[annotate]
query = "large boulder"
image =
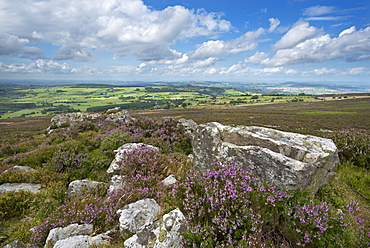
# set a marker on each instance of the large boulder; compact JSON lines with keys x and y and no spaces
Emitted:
{"x":166,"y":233}
{"x":62,"y":233}
{"x":34,"y":188}
{"x":70,"y":120}
{"x":136,"y":216}
{"x":123,"y":152}
{"x":288,"y":160}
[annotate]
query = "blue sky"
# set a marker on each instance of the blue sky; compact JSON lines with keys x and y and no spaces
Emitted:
{"x":181,"y":40}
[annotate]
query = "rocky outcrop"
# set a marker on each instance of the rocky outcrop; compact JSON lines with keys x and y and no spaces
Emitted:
{"x":62,"y":233}
{"x":189,"y":125}
{"x":75,"y":187}
{"x":166,"y":233}
{"x":288,"y":160}
{"x":34,"y":188}
{"x":70,"y":120}
{"x":136,"y":216}
{"x":122,"y":153}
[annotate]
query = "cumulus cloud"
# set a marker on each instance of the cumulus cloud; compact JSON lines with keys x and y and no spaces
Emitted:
{"x":123,"y":27}
{"x":246,"y":42}
{"x":13,"y":45}
{"x":39,"y":66}
{"x":300,"y":32}
{"x":323,"y":48}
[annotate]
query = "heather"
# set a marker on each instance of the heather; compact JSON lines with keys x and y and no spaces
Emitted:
{"x":225,"y":207}
{"x":228,"y":207}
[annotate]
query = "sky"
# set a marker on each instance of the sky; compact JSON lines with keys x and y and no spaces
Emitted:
{"x":186,"y":40}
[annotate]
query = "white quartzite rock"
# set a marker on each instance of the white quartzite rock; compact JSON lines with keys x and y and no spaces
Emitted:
{"x":135,"y":216}
{"x":288,"y":160}
{"x":170,"y":180}
{"x":21,"y":168}
{"x":34,"y":188}
{"x":62,"y":233}
{"x":75,"y":187}
{"x":82,"y":241}
{"x":166,"y":233}
{"x":121,"y":154}
{"x":72,"y":119}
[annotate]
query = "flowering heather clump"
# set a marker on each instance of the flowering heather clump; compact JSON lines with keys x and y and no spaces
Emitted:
{"x":227,"y":207}
{"x":143,"y":170}
{"x":94,"y":207}
{"x":165,"y":134}
{"x":353,"y":146}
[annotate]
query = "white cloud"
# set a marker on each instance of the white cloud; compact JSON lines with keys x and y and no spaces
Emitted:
{"x":38,"y":67}
{"x":256,"y":58}
{"x":300,"y":32}
{"x":350,"y":44}
{"x":13,"y":45}
{"x":274,"y":23}
{"x":318,"y":10}
{"x":123,"y":27}
{"x":207,"y":62}
{"x":357,"y":70}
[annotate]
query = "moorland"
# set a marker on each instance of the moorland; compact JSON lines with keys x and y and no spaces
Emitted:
{"x":89,"y":148}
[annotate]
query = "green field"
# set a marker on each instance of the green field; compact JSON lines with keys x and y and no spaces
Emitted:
{"x":31,"y":100}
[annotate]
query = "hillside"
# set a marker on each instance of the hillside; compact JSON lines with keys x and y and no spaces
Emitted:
{"x":89,"y":150}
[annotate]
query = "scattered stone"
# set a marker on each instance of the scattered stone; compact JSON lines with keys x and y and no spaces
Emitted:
{"x":170,"y":180}
{"x":83,"y":241}
{"x":34,"y":188}
{"x":62,"y":233}
{"x":167,"y":234}
{"x":288,"y":160}
{"x":22,"y":168}
{"x":16,"y":244}
{"x":75,"y":187}
{"x":136,"y":216}
{"x":121,"y":154}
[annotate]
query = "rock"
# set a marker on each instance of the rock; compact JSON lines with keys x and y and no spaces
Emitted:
{"x":116,"y":182}
{"x":135,"y":216}
{"x":71,"y":120}
{"x":288,"y":160}
{"x":82,"y":241}
{"x":167,"y":234}
{"x":117,"y":116}
{"x":62,"y":233}
{"x":22,"y":168}
{"x":170,"y":180}
{"x":121,"y":154}
{"x":16,"y":244}
{"x":189,"y":125}
{"x":34,"y":188}
{"x":75,"y":187}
